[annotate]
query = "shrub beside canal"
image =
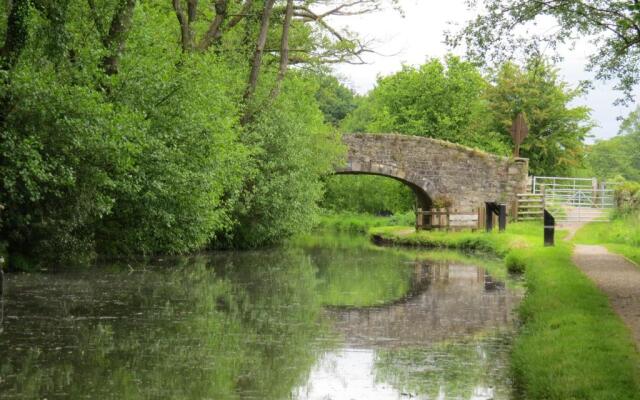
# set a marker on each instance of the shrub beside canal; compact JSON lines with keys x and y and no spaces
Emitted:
{"x":571,"y":344}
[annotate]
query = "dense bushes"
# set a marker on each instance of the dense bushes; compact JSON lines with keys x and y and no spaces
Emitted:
{"x":155,"y":153}
{"x":627,"y":198}
{"x":291,"y":149}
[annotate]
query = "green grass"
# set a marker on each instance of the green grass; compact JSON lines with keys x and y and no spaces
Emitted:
{"x":571,"y":344}
{"x":361,"y":223}
{"x":498,"y":243}
{"x":622,"y":235}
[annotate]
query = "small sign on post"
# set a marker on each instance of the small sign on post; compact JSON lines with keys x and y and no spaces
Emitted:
{"x":519,"y":131}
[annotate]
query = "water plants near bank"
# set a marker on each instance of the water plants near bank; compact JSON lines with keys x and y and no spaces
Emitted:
{"x":569,"y":336}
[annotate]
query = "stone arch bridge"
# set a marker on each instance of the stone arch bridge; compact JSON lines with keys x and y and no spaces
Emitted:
{"x":437,"y":171}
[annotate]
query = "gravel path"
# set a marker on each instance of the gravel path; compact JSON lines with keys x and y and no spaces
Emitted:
{"x":618,"y":278}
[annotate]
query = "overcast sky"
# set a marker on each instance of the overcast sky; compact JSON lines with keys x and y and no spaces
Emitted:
{"x":419,"y":34}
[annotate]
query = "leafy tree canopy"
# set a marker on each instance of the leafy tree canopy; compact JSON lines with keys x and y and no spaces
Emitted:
{"x":555,"y":145}
{"x":619,"y":156}
{"x":612,"y":26}
{"x":453,"y":101}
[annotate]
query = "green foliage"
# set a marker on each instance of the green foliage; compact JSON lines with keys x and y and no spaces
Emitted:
{"x":366,"y":194}
{"x":281,"y":195}
{"x":495,"y":34}
{"x":335,"y":100}
{"x":554,"y":146}
{"x":359,"y":120}
{"x":627,"y":196}
{"x":437,"y":100}
{"x":189,"y":176}
{"x":64,"y":151}
{"x":149,"y":155}
{"x":515,"y":262}
{"x":619,"y":155}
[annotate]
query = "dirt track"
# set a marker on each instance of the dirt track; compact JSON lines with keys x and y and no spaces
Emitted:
{"x":618,"y":278}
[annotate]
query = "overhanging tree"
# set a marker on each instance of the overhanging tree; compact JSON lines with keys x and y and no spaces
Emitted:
{"x":612,"y":26}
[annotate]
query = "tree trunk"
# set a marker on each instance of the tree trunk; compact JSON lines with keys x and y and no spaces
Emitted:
{"x":257,"y":55}
{"x":117,"y":36}
{"x":185,"y":29}
{"x":284,"y":50}
{"x":215,"y":29}
{"x":17,"y":34}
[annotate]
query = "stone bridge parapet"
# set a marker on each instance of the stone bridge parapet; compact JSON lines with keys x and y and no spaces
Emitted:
{"x":438,"y":172}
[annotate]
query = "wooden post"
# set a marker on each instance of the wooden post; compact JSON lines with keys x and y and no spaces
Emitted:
{"x":481,"y":218}
{"x":419,"y":219}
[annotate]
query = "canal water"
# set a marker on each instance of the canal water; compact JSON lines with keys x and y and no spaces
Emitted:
{"x":321,"y":318}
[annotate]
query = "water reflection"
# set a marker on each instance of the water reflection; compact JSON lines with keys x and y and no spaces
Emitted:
{"x":308,"y":322}
{"x":448,"y":341}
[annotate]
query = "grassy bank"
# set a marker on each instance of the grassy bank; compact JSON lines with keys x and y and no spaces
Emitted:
{"x":621,"y":236}
{"x":571,"y":344}
{"x":361,"y":223}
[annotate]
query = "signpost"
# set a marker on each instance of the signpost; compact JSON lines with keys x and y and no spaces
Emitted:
{"x":519,"y":131}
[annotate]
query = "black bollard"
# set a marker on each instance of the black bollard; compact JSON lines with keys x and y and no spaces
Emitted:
{"x":502,"y":217}
{"x":549,"y":229}
{"x":489,"y":216}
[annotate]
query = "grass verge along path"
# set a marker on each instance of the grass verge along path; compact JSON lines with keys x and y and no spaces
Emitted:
{"x":571,"y":344}
{"x":621,"y":235}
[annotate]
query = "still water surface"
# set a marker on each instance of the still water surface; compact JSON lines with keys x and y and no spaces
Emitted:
{"x":324,"y":318}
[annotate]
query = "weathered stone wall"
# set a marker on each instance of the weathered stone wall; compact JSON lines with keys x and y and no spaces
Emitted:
{"x":463,"y":177}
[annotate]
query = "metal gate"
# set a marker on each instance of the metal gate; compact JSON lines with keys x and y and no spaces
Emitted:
{"x":575,"y":199}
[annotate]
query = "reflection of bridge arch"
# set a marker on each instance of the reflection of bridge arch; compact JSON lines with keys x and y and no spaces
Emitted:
{"x":450,"y":300}
{"x":437,"y":170}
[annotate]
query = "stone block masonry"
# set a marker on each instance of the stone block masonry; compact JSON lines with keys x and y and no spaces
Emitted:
{"x":439,"y":172}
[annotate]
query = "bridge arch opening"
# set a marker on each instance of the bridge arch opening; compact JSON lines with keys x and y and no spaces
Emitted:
{"x":422,"y":198}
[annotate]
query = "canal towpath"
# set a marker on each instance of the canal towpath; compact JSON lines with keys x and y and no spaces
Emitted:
{"x":615,"y":275}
